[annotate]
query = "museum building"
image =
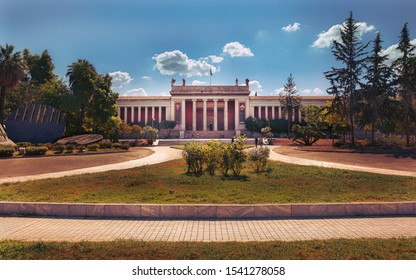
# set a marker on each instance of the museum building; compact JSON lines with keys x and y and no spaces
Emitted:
{"x":207,"y":108}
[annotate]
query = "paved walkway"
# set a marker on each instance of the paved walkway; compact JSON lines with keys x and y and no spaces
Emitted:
{"x":54,"y":229}
{"x":310,"y":162}
{"x":161,"y":154}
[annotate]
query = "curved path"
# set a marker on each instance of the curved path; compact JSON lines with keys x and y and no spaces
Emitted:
{"x":310,"y":162}
{"x":161,"y":154}
{"x":58,"y":229}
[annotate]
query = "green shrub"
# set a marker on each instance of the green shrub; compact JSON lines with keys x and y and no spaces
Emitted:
{"x":237,"y":156}
{"x":117,"y":145}
{"x":23,"y":144}
{"x":212,"y":155}
{"x":58,"y":148}
{"x":36,"y":151}
{"x":194,"y":157}
{"x":125,"y":146}
{"x":70,"y":148}
{"x":258,"y":157}
{"x":92,"y":147}
{"x":6,"y":151}
{"x":307,"y":135}
{"x":105,"y":144}
{"x":81,"y":148}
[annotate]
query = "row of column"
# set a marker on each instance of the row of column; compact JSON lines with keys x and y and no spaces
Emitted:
{"x":146,"y":113}
{"x":204,"y":114}
{"x":279,"y":112}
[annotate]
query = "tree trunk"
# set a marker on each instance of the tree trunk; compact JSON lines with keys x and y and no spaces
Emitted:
{"x":2,"y":101}
{"x":352,"y":130}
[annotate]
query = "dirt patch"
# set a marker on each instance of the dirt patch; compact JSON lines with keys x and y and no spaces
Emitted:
{"x":404,"y":160}
{"x":14,"y":167}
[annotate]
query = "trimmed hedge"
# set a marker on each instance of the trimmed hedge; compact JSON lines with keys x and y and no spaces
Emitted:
{"x":36,"y":151}
{"x":93,"y":147}
{"x":6,"y":151}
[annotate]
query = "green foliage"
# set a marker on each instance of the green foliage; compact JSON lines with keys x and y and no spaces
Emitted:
{"x":36,"y":151}
{"x":307,"y":135}
{"x":279,"y":126}
{"x":212,"y":154}
{"x":112,"y":128}
{"x":150,"y":134}
{"x":258,"y":158}
{"x":70,"y":147}
{"x":254,"y":125}
{"x":58,"y":148}
{"x":289,"y":100}
{"x":194,"y":156}
{"x":93,"y":147}
{"x":236,"y":155}
{"x":105,"y":144}
{"x":136,"y":131}
{"x":23,"y":144}
{"x":6,"y":151}
{"x":125,"y":147}
{"x":12,"y":70}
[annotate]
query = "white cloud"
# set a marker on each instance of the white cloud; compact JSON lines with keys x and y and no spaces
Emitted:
{"x":255,"y":86}
{"x":325,"y":38}
{"x":164,"y":94}
{"x":278,"y":91}
{"x":216,"y":59}
{"x":236,"y":49}
{"x":135,"y":92}
{"x":198,"y":83}
{"x":292,"y":27}
{"x":393,"y":53}
{"x":120,"y":79}
{"x":316,"y":91}
{"x":176,"y":62}
{"x":147,"y":78}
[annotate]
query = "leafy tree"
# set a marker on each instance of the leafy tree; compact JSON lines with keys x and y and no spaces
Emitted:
{"x":346,"y":80}
{"x":12,"y":70}
{"x":278,"y":126}
{"x":150,"y":134}
{"x":307,"y":135}
{"x":258,"y":158}
{"x":91,"y":96}
{"x":406,"y":72}
{"x":376,"y":99}
{"x":237,"y":156}
{"x":194,"y":156}
{"x":253,"y":124}
{"x":111,"y":129}
{"x":169,"y":125}
{"x":289,"y":100}
{"x":136,"y":131}
{"x":40,"y":67}
{"x":212,"y":156}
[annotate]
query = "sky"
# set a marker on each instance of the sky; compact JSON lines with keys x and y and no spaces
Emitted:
{"x":144,"y":44}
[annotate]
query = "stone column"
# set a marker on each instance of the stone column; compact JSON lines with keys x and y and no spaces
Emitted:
{"x":172,"y":110}
{"x":204,"y":116}
{"x":267,"y":112}
{"x":183,"y":120}
{"x":225,"y":114}
{"x":160,"y":114}
{"x":193,"y":114}
{"x":273,"y":115}
{"x":300,"y":115}
{"x":215,"y":115}
{"x":153,"y":112}
{"x":125,"y":115}
{"x":237,"y":114}
{"x":280,"y":112}
{"x":145,"y":115}
{"x":139,"y":117}
{"x":132,"y":114}
{"x":118,"y":111}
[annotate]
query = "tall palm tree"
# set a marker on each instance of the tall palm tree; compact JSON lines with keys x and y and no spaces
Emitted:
{"x":12,"y":70}
{"x":82,"y":83}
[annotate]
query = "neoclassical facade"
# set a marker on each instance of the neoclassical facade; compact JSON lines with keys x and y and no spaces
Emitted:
{"x":207,"y":108}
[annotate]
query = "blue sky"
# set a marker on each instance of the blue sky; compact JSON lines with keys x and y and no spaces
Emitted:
{"x":144,"y":44}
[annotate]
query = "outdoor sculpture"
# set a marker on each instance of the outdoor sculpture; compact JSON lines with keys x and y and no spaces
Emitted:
{"x":36,"y":123}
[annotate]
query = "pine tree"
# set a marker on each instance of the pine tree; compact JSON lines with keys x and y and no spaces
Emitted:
{"x":406,"y":72}
{"x":345,"y":81}
{"x":377,"y":92}
{"x":289,"y":100}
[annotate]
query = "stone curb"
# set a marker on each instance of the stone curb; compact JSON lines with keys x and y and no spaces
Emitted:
{"x":208,"y":211}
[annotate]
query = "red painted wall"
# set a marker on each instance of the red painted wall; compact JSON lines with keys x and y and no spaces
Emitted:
{"x":231,"y":113}
{"x":188,"y":115}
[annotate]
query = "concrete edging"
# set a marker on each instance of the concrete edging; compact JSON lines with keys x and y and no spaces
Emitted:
{"x":207,"y":211}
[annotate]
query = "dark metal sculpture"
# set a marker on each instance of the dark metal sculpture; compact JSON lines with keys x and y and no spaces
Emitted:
{"x":36,"y":123}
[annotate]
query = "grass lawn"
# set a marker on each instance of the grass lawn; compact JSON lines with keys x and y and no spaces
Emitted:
{"x":168,"y":183}
{"x":334,"y":249}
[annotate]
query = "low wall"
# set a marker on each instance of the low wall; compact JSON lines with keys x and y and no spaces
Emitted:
{"x":208,"y":211}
